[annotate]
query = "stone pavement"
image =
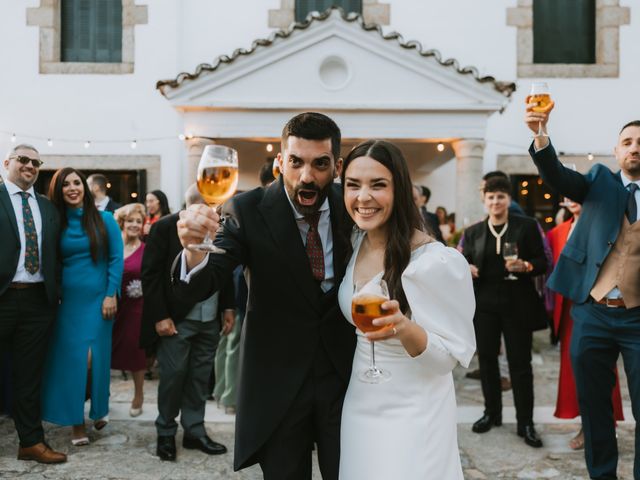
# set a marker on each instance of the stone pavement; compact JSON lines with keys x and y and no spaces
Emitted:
{"x":125,"y":449}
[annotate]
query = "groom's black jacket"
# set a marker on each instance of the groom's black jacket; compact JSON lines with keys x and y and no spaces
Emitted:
{"x":291,"y":326}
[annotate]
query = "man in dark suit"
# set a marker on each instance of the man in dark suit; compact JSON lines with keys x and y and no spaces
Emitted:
{"x":599,"y":270}
{"x":98,"y":186}
{"x":421,"y":195}
{"x":186,"y":333}
{"x":29,"y":293}
{"x":297,"y":349}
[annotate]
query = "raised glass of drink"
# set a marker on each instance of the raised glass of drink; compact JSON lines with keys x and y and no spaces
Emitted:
{"x":217,"y":182}
{"x":539,"y":95}
{"x":275,"y":169}
{"x":366,"y":306}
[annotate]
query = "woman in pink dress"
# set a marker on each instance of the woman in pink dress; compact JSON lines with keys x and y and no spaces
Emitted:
{"x":126,"y":353}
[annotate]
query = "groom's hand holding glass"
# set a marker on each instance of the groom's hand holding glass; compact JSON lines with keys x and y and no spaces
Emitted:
{"x":194,"y":224}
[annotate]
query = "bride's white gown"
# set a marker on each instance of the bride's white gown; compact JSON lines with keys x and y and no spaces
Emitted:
{"x":405,"y":429}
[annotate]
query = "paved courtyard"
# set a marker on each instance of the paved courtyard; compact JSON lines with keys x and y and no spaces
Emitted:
{"x":125,"y":449}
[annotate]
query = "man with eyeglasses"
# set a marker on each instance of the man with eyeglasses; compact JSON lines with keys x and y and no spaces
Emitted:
{"x":29,"y":279}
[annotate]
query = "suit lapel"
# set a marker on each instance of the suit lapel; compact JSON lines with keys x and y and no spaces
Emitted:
{"x":5,"y":201}
{"x":622,"y":196}
{"x":481,"y":244}
{"x":278,"y":215}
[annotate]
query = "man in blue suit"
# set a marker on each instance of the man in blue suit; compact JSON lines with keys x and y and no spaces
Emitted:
{"x":599,"y":270}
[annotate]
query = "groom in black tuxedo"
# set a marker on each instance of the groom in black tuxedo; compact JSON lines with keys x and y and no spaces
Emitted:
{"x":297,"y":349}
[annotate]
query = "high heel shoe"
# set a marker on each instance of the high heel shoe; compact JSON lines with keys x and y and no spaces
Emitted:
{"x":80,"y":442}
{"x":135,"y":412}
{"x":101,"y":422}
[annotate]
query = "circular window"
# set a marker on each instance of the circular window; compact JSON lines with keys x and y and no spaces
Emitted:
{"x":334,"y":73}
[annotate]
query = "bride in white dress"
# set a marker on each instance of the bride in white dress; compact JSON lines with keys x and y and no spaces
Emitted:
{"x":404,"y":428}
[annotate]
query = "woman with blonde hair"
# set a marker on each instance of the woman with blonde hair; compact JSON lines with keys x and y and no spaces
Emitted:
{"x":126,"y":353}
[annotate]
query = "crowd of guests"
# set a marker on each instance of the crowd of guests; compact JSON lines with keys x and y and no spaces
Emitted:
{"x":71,"y":267}
{"x":83,"y":262}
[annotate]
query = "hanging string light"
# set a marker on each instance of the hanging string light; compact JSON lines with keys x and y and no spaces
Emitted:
{"x":134,"y":144}
{"x":13,"y":138}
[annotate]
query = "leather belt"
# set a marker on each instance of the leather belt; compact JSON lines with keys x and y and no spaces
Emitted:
{"x":612,"y":302}
{"x":23,"y":285}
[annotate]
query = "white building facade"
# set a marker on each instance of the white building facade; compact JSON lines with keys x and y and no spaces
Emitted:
{"x":109,"y":116}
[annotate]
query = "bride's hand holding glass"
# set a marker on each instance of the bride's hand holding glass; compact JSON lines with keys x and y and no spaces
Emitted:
{"x":390,"y":325}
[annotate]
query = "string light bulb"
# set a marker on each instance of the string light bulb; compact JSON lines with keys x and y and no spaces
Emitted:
{"x":590,"y":157}
{"x":269,"y":147}
{"x":182,"y":137}
{"x":49,"y":142}
{"x":13,"y":138}
{"x":87,"y":144}
{"x":440,"y":147}
{"x":134,"y":144}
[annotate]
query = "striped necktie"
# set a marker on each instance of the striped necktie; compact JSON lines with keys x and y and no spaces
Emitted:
{"x":31,"y":256}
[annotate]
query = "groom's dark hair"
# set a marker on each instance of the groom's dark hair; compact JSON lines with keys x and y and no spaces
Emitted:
{"x":313,"y":126}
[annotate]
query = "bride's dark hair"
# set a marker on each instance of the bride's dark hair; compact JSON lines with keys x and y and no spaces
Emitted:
{"x":405,"y":217}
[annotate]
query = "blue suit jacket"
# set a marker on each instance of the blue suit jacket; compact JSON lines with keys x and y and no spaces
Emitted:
{"x":604,"y":200}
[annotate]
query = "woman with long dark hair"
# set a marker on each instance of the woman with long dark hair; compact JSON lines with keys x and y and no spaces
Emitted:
{"x":157,"y":206}
{"x":427,"y":328}
{"x":78,"y":363}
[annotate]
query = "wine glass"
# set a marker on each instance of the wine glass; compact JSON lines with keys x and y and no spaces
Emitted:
{"x":275,"y":169}
{"x":539,"y":95}
{"x":217,"y":182}
{"x":510,"y":252}
{"x":366,"y":305}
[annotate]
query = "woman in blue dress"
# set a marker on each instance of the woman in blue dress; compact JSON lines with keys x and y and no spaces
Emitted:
{"x":79,"y":358}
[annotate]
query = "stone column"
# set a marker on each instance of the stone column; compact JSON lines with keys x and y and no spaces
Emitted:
{"x":469,"y":154}
{"x":195,"y":147}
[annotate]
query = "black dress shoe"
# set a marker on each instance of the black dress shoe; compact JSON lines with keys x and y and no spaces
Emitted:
{"x":486,"y":422}
{"x":166,"y":448}
{"x":530,"y":435}
{"x":204,"y":444}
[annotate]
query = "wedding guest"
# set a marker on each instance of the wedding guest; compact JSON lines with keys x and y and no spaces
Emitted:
{"x":185,"y":334}
{"x":567,"y":399}
{"x":79,"y":358}
{"x":421,"y":195}
{"x":126,"y":353}
{"x":598,"y":272}
{"x":157,"y":206}
{"x":98,"y":185}
{"x":29,"y":294}
{"x":507,"y":305}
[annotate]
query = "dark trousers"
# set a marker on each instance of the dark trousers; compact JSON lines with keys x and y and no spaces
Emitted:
{"x":185,"y":361}
{"x":599,"y":335}
{"x":314,"y":417}
{"x":26,"y":319}
{"x":517,"y":338}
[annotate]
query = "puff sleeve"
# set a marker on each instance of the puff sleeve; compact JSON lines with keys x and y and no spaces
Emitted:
{"x":439,"y":290}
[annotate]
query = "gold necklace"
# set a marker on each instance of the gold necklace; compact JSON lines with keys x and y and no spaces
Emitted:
{"x":497,"y":235}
